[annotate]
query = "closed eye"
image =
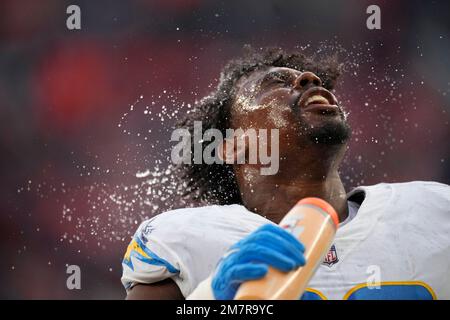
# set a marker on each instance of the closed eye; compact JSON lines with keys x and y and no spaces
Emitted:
{"x":273,"y":78}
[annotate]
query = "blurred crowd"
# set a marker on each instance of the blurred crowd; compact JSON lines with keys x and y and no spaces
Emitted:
{"x":66,"y":94}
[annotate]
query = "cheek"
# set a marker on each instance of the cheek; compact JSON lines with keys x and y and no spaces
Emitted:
{"x":246,"y":104}
{"x":280,"y":116}
{"x":279,"y":111}
{"x":265,"y":112}
{"x":271,"y":117}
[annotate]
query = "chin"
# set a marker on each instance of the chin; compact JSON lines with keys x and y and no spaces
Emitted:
{"x":330,"y":132}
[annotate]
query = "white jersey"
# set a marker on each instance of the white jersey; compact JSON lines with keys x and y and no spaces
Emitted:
{"x":397,"y":246}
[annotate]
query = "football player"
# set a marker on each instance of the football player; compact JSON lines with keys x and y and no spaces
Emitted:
{"x":393,"y":239}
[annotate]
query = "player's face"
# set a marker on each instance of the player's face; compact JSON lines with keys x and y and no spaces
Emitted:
{"x":292,"y":101}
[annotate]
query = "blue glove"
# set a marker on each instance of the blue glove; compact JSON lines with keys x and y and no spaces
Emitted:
{"x":250,"y":258}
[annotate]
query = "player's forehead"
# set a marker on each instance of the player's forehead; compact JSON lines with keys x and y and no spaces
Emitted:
{"x":253,"y":78}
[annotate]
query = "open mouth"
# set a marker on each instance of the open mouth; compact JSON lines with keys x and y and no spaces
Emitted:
{"x":318,"y":99}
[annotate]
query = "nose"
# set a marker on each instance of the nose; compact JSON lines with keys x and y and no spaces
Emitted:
{"x":307,"y":79}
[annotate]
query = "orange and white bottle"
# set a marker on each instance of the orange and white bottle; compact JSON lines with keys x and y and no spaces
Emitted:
{"x":314,"y":222}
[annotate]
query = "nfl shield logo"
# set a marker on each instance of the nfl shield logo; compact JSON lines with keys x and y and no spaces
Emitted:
{"x":331,"y":257}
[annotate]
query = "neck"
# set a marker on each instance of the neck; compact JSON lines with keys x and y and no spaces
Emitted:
{"x":273,"y":196}
{"x":285,"y":196}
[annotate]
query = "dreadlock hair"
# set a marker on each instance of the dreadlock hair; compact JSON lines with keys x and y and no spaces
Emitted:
{"x":216,"y":183}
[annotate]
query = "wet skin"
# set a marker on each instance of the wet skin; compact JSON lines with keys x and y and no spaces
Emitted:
{"x":307,"y":167}
{"x":278,"y":98}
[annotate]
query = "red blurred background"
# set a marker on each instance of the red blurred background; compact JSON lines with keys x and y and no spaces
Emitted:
{"x":71,"y":145}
